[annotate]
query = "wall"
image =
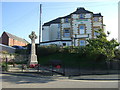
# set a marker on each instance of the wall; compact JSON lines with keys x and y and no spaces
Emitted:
{"x":16,"y":58}
{"x":45,"y":33}
{"x":54,"y":29}
{"x":68,"y":43}
{"x":65,"y":26}
{"x":76,"y":22}
{"x":87,"y":21}
{"x":5,"y":39}
{"x":13,"y":42}
{"x":100,"y":23}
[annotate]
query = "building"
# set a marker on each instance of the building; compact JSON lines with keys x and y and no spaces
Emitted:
{"x":73,"y":29}
{"x":11,"y":40}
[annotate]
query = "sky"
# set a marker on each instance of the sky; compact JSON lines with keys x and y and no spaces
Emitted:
{"x":20,"y":18}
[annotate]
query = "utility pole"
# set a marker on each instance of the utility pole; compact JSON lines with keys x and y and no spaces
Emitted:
{"x":40,"y":32}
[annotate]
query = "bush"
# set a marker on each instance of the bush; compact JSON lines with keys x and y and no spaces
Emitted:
{"x":117,"y":54}
{"x":47,"y":50}
{"x":21,"y":51}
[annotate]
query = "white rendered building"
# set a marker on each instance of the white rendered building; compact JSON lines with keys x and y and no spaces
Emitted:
{"x":73,"y":29}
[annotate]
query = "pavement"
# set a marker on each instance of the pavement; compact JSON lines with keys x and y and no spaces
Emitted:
{"x":97,"y":77}
{"x":81,"y":77}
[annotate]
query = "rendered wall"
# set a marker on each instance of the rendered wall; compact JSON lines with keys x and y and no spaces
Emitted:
{"x":45,"y":34}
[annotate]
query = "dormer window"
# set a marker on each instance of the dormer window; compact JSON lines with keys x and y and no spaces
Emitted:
{"x":82,"y":16}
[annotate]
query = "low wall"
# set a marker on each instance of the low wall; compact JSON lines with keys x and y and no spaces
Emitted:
{"x":16,"y":58}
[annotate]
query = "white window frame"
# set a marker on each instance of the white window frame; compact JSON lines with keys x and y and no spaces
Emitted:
{"x":82,"y":16}
{"x":96,"y":19}
{"x":83,"y":43}
{"x":82,"y":30}
{"x":66,"y":20}
{"x":95,"y":29}
{"x":66,"y":34}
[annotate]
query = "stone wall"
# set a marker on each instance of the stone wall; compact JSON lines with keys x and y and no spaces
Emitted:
{"x":16,"y":58}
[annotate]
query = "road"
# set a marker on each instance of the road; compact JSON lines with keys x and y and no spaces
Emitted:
{"x":13,"y":81}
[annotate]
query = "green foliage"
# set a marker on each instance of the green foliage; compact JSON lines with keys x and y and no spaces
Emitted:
{"x":47,"y":50}
{"x":4,"y":52}
{"x":117,"y":54}
{"x":2,"y":64}
{"x":94,"y":54}
{"x":100,"y":45}
{"x":21,"y":51}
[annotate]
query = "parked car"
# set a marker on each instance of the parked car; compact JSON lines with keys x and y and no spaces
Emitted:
{"x":18,"y":47}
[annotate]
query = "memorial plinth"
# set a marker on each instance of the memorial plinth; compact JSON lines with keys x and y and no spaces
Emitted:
{"x":33,"y":56}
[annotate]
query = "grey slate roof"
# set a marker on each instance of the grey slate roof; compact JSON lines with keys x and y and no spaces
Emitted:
{"x":78,"y":11}
{"x":57,"y":20}
{"x":15,"y":37}
{"x":97,"y":15}
{"x":81,"y":10}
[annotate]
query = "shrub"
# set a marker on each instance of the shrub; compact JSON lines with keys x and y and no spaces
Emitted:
{"x":47,"y":50}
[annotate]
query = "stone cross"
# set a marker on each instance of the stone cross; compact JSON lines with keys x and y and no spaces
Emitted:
{"x":33,"y":36}
{"x":33,"y":56}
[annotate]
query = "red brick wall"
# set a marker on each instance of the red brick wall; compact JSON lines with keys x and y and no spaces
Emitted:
{"x":5,"y":39}
{"x":13,"y":42}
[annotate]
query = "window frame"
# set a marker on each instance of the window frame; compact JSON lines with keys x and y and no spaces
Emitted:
{"x":79,"y":30}
{"x":82,"y":44}
{"x":66,"y":20}
{"x":83,"y":16}
{"x":94,"y":19}
{"x":66,"y":32}
{"x":94,"y":28}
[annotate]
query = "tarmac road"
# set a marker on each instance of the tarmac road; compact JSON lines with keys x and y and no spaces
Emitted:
{"x":13,"y":81}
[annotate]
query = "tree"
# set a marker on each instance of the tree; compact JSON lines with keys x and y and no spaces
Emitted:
{"x":117,"y":54}
{"x":100,"y":45}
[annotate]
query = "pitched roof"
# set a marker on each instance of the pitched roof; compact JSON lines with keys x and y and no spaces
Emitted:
{"x":81,"y":10}
{"x":97,"y":15}
{"x":15,"y":37}
{"x":78,"y":11}
{"x":57,"y":20}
